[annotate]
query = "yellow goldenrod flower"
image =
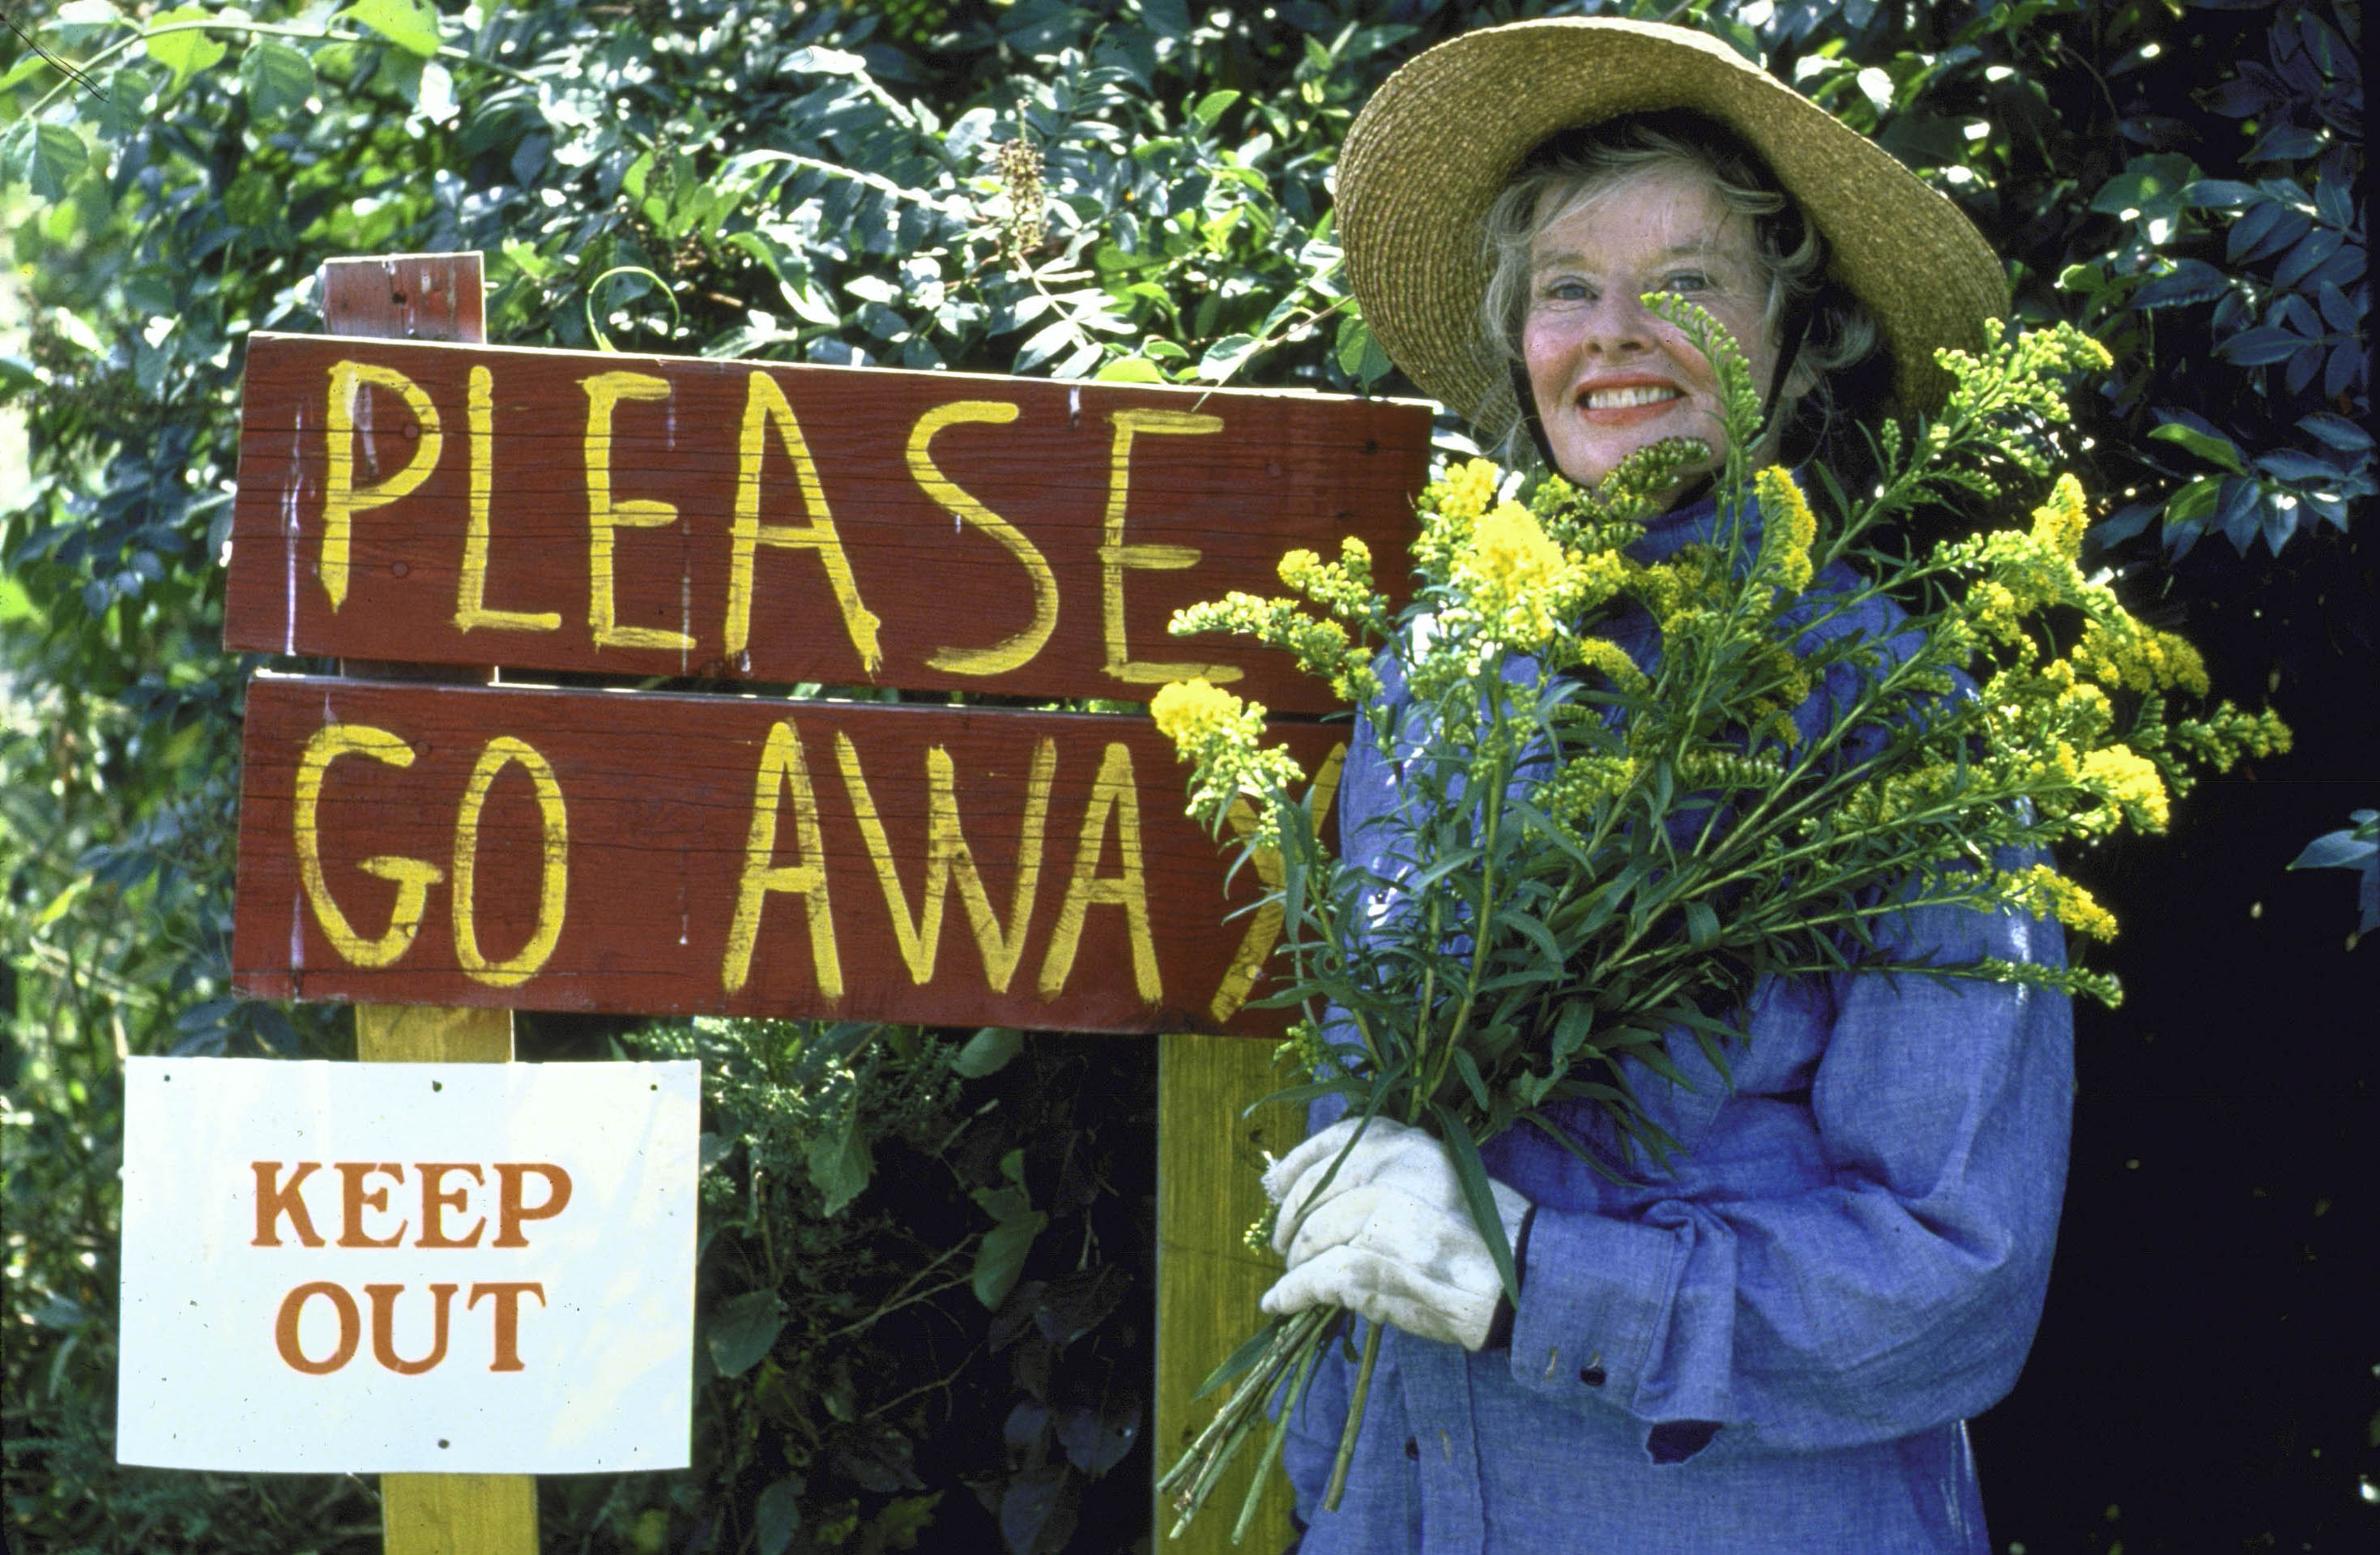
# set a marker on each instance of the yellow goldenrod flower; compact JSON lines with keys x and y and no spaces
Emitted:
{"x":1790,"y":528}
{"x":1522,"y":589}
{"x":2059,"y":522}
{"x":1190,"y":712}
{"x":1602,"y":653}
{"x":1467,"y":489}
{"x":2043,"y":892}
{"x":2129,"y":782}
{"x":1509,"y":548}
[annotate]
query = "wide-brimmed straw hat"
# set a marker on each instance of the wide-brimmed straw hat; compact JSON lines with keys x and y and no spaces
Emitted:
{"x":1443,"y":136}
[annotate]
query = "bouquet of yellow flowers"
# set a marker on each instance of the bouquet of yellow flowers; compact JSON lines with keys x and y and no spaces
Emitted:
{"x":1627,"y":790}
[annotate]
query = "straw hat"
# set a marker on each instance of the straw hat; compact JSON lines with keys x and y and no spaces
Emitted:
{"x":1445,"y":134}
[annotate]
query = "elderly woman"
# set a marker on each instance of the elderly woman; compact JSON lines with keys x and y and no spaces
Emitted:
{"x":1772,"y":1342}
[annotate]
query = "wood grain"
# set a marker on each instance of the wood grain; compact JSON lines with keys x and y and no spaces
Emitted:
{"x":1209,"y":1162}
{"x":608,"y":538}
{"x":649,"y":810}
{"x":458,"y":1513}
{"x":432,"y":1034}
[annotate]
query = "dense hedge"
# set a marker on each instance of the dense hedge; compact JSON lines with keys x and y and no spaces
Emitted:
{"x":1139,"y":190}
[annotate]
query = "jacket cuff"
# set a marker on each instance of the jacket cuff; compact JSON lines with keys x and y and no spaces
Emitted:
{"x":1598,"y":1290}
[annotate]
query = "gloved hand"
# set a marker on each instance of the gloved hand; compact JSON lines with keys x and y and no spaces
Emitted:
{"x":1390,"y":1238}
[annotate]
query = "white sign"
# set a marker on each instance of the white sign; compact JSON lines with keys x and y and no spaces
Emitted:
{"x":407,"y":1268}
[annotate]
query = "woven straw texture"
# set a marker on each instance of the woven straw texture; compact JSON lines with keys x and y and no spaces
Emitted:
{"x":1429,"y":152}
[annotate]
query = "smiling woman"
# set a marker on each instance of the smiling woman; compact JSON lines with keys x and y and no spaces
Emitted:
{"x":1772,"y":1339}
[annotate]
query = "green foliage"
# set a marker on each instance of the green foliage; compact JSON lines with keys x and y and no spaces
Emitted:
{"x":1132,"y":188}
{"x":894,"y":1346}
{"x":2356,"y":849}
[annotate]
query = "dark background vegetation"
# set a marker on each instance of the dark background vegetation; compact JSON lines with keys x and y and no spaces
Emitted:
{"x":926,"y":1280}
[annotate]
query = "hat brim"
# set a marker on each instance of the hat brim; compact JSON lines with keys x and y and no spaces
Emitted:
{"x":1444,"y":135}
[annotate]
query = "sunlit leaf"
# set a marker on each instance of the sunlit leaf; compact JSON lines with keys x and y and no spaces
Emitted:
{"x":185,"y":50}
{"x":411,"y":25}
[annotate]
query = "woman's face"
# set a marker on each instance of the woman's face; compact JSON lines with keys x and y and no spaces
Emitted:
{"x":1609,"y":376}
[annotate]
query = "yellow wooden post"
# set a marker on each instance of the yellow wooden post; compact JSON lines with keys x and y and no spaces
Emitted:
{"x":1208,"y":1159}
{"x":430,"y":297}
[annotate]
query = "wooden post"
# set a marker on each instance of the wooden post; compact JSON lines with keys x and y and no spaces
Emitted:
{"x":430,"y":297}
{"x":1208,"y":1161}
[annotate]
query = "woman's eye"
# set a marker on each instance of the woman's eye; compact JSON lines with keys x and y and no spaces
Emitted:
{"x":1565,"y":290}
{"x":1686,"y":281}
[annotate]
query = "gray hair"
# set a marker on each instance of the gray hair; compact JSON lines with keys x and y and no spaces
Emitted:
{"x":1840,"y":332}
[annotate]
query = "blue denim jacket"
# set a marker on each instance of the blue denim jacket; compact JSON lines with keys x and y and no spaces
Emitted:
{"x":1772,"y":1345}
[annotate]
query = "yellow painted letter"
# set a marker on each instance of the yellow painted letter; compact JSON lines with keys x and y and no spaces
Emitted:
{"x":781,"y":768}
{"x":1114,"y":791}
{"x":413,"y":877}
{"x":472,"y":593}
{"x":1115,"y":555}
{"x":604,"y":391}
{"x":947,"y":851}
{"x":764,"y":405}
{"x":342,"y":498}
{"x":1014,"y":653}
{"x":554,"y":891}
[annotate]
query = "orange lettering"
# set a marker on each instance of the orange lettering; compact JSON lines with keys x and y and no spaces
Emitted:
{"x":507,"y":1294}
{"x":284,"y":1327}
{"x":355,"y":1201}
{"x":383,"y":1305}
{"x":436,"y":1201}
{"x":510,"y":1207}
{"x":273,"y":1202}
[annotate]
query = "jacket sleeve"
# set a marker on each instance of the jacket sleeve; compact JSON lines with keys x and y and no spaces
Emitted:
{"x":1891,"y":1282}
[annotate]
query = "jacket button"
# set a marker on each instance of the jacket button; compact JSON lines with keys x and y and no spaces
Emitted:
{"x":1412,"y":1449}
{"x":1592,"y":1375}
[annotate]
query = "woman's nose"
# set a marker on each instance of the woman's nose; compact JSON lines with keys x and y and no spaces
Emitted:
{"x":1616,"y":322}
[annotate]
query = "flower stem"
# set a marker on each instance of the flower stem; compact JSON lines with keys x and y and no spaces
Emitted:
{"x":1339,"y":1466}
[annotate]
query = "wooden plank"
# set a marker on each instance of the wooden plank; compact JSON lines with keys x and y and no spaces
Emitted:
{"x":406,"y":296}
{"x":436,"y":297}
{"x":458,"y":1513}
{"x":1210,"y":1161}
{"x":654,"y":515}
{"x":432,"y":1034}
{"x":591,"y":850}
{"x":449,"y":1513}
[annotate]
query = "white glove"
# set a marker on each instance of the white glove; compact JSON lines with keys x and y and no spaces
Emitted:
{"x":1390,"y":1238}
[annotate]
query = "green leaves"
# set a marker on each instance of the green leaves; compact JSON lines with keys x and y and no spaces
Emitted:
{"x":411,"y":25}
{"x":1001,"y":1256}
{"x":42,"y":155}
{"x":987,"y":1051}
{"x":178,"y":41}
{"x":1359,"y":354}
{"x":840,"y":1163}
{"x":1472,"y":1173}
{"x":1212,"y":107}
{"x":277,"y":79}
{"x":2206,"y":444}
{"x":741,"y":1332}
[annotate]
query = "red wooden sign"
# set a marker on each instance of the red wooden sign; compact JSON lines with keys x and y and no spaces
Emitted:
{"x":663,"y":854}
{"x":647,"y":515}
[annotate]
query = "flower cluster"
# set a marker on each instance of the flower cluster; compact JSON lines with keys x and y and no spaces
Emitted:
{"x":1224,"y":737}
{"x":1601,"y":837}
{"x":1790,"y":531}
{"x":1517,"y":584}
{"x":2043,"y":892}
